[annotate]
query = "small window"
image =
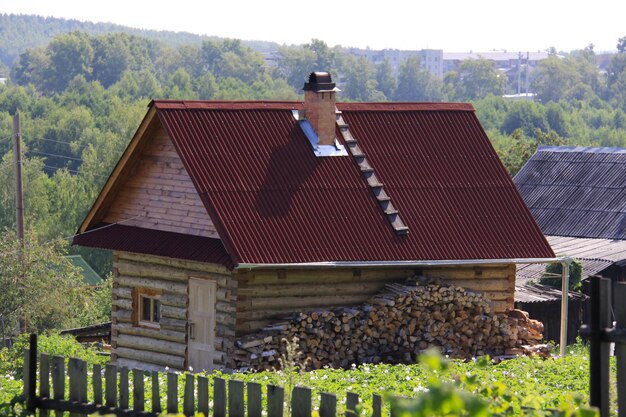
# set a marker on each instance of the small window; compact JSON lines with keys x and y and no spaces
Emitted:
{"x":146,"y":307}
{"x":150,"y":309}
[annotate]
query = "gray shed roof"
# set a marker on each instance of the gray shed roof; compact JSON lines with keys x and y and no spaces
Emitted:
{"x":576,"y":191}
{"x":595,"y":254}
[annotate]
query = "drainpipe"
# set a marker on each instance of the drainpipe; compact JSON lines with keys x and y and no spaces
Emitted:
{"x":564,"y":302}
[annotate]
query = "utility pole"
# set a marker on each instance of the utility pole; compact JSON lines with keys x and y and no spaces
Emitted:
{"x":19,"y":196}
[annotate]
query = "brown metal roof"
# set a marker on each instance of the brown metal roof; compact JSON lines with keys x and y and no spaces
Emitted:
{"x":273,"y":201}
{"x":155,"y":242}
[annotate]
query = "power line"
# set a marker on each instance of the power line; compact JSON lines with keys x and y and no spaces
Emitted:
{"x":74,"y":235}
{"x":59,"y":141}
{"x":73,"y":171}
{"x":56,"y":155}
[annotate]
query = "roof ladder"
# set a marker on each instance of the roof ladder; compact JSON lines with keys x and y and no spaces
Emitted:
{"x":367,"y":171}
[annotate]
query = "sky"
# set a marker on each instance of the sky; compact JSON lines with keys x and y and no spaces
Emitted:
{"x":451,"y":25}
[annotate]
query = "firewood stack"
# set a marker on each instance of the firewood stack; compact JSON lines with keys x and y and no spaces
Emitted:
{"x":393,"y":327}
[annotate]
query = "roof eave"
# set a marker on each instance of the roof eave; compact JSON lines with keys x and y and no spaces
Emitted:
{"x":396,"y":264}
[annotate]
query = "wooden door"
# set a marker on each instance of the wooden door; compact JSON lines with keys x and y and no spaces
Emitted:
{"x":201,"y":325}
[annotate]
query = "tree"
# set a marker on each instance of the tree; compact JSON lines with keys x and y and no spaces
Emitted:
{"x":38,"y":285}
{"x":359,"y":80}
{"x":554,"y":79}
{"x":417,"y":84}
{"x":476,"y":79}
{"x":29,"y":68}
{"x":387,"y":82}
{"x":70,"y":55}
{"x":621,"y":45}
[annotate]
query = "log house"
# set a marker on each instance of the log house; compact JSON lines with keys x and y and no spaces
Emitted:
{"x":224,"y":217}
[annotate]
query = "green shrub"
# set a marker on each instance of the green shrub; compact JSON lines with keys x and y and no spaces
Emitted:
{"x":575,"y":275}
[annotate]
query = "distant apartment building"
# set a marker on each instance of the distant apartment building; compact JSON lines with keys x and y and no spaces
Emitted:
{"x":430,"y":59}
{"x":502,"y":59}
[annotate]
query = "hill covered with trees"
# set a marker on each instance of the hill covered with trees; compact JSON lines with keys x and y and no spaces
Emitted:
{"x":82,"y":93}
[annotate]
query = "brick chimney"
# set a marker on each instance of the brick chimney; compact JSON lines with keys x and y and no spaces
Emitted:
{"x":319,"y":106}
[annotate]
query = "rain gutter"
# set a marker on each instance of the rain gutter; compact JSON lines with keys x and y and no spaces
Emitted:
{"x":564,"y":261}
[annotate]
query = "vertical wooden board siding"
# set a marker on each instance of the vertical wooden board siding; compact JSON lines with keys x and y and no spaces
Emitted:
{"x":497,"y":282}
{"x":159,"y":191}
{"x":263,"y":296}
{"x":155,"y":348}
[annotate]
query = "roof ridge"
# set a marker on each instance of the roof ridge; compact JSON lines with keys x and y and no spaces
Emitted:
{"x":581,"y":149}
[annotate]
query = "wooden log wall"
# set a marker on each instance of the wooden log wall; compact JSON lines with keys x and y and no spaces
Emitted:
{"x":267,"y":295}
{"x":497,"y":282}
{"x":150,"y":348}
{"x":160,"y":191}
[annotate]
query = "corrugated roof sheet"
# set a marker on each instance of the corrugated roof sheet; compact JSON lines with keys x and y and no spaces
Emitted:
{"x":273,"y":201}
{"x":537,"y":293}
{"x":576,"y":191}
{"x":595,"y":254}
{"x":155,"y":242}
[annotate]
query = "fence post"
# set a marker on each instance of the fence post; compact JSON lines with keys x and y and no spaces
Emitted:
{"x":599,"y":321}
{"x":32,"y":374}
{"x":620,"y":347}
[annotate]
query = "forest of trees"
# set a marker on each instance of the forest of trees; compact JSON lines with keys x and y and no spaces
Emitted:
{"x":81,"y":96}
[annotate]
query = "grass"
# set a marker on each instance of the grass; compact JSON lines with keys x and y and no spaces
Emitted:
{"x":513,"y":387}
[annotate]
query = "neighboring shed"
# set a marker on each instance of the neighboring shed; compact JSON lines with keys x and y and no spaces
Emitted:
{"x":90,"y":277}
{"x":225,"y":216}
{"x":578,"y":197}
{"x":576,"y":191}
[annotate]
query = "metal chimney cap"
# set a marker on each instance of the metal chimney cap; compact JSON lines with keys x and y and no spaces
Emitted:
{"x":320,"y":81}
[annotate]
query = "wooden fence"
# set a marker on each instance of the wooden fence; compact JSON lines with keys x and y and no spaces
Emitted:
{"x":601,"y":332}
{"x":112,"y":392}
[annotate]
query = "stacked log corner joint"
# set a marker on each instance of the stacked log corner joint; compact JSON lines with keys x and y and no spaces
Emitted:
{"x":394,"y":326}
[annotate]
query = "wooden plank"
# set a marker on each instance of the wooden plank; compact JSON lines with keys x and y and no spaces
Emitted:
{"x":188,"y":399}
{"x":156,"y":393}
{"x":235,"y":398}
{"x":25,"y":373}
{"x":172,"y":393}
{"x":219,"y":397}
{"x":173,"y":324}
{"x":275,"y":401}
{"x":477,"y":272}
{"x":620,"y":348}
{"x":110,"y":379}
{"x":44,"y":375}
{"x":124,"y":388}
{"x":138,"y":390}
{"x":113,"y":184}
{"x":333,"y":276}
{"x":352,"y":401}
{"x":96,"y":383}
{"x":301,"y":402}
{"x":82,"y":377}
{"x":174,"y":312}
{"x":151,"y":344}
{"x":44,"y":380}
{"x":258,"y":303}
{"x":280,"y":290}
{"x":153,"y":283}
{"x":377,"y":405}
{"x":255,"y":400}
{"x":203,"y":395}
{"x":482,"y":285}
{"x":328,"y":405}
{"x":58,"y":380}
{"x":163,"y":334}
{"x":184,"y":265}
{"x":75,"y":381}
